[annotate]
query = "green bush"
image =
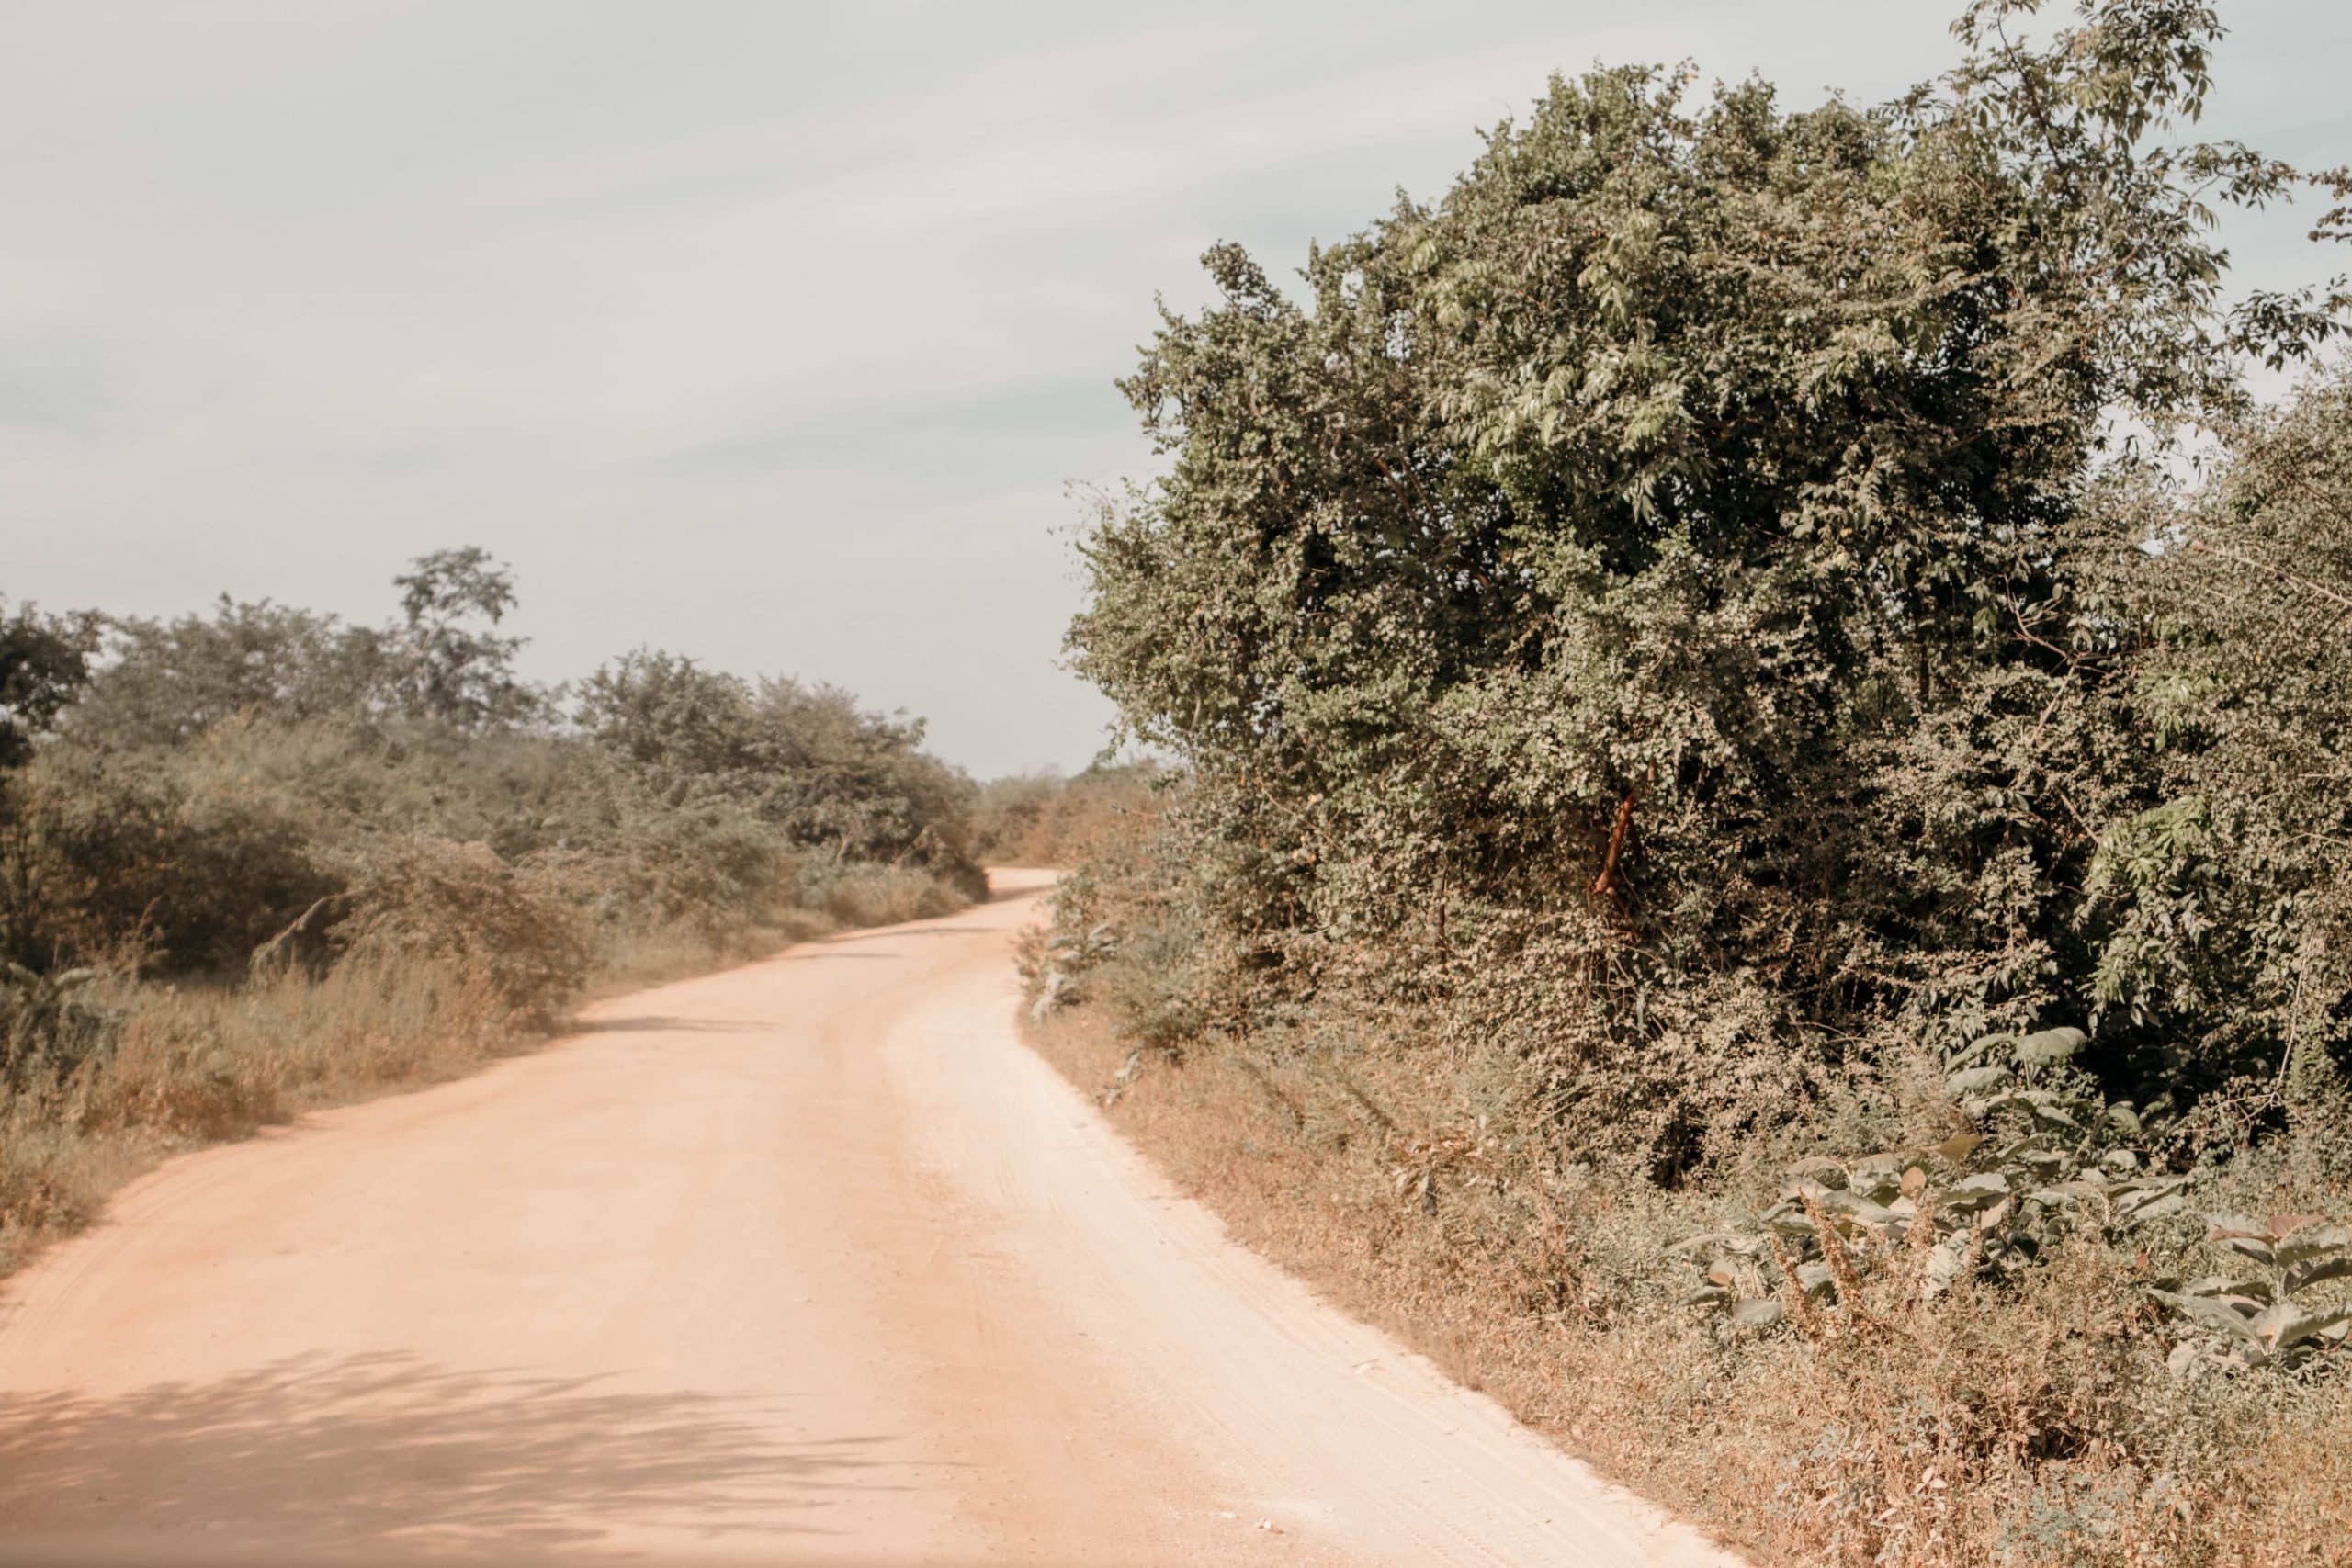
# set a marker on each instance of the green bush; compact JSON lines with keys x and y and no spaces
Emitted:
{"x":1691,"y":727}
{"x":430,"y":900}
{"x":49,"y":1026}
{"x":157,"y":860}
{"x":1044,"y":820}
{"x":258,"y":857}
{"x":1671,"y":599}
{"x":831,"y":778}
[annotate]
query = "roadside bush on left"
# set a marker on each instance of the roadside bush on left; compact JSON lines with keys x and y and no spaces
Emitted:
{"x":262,"y":858}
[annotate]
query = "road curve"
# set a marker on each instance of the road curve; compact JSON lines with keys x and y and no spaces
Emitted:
{"x":807,"y":1261}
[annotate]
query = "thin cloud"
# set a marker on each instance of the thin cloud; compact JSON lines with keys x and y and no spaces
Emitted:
{"x":57,"y":385}
{"x":769,"y":334}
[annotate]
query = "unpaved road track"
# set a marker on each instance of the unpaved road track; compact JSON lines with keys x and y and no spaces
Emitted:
{"x":809,"y":1261}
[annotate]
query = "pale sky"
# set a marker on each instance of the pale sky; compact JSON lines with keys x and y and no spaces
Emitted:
{"x":771,"y":334}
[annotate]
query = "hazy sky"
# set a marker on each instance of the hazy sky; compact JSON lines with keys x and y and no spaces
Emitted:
{"x":768,"y":332}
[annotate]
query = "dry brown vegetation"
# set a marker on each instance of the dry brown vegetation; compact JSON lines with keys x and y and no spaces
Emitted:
{"x":1992,"y":1425}
{"x":204,"y":1063}
{"x":1046,"y":820}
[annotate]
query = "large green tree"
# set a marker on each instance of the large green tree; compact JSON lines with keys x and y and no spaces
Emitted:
{"x":44,"y":664}
{"x":1657,"y":560}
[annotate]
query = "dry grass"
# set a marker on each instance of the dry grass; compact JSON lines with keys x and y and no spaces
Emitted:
{"x":194,"y":1065}
{"x":884,"y":895}
{"x":198,"y":1064}
{"x":633,"y":959}
{"x":1046,"y":820}
{"x":2027,"y":1428}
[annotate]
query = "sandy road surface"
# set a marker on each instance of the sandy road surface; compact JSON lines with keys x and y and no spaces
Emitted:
{"x":809,"y":1261}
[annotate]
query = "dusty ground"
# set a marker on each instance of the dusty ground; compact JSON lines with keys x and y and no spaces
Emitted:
{"x":811,"y":1260}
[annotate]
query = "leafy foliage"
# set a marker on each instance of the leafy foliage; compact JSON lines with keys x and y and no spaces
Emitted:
{"x":2040,"y":1155}
{"x":162,"y":682}
{"x":431,"y":899}
{"x":448,"y":665}
{"x":1691,"y":656}
{"x":1044,"y":820}
{"x":1667,"y":599}
{"x":804,"y":758}
{"x":43,"y":663}
{"x":266,"y":784}
{"x":2277,"y":1318}
{"x":48,"y":1025}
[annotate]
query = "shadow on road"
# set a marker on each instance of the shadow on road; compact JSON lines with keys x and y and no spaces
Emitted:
{"x":384,"y":1456}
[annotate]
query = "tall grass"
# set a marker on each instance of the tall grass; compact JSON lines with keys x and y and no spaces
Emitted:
{"x":193,"y":1065}
{"x":2025,"y":1425}
{"x":199,"y":1062}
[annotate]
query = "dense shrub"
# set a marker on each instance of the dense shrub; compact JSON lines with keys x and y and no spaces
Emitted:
{"x":50,"y":1026}
{"x":164,"y":863}
{"x":1685,"y":703}
{"x":805,"y":759}
{"x":44,"y":662}
{"x":167,"y":681}
{"x":431,"y":899}
{"x":1045,"y":819}
{"x":1666,"y":596}
{"x":259,"y":856}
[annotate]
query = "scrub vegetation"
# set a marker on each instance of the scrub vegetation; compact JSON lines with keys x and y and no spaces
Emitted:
{"x":259,"y":859}
{"x":1047,"y":820}
{"x":1754,"y":854}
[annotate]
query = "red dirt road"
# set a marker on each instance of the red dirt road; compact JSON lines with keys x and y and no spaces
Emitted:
{"x":809,"y":1261}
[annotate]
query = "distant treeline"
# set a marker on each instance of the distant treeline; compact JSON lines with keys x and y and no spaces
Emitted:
{"x":1047,"y":820}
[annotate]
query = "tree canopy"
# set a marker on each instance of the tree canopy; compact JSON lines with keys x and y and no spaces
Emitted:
{"x":1683,"y":562}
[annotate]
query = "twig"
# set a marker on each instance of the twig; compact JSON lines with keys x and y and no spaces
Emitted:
{"x":2305,"y":583}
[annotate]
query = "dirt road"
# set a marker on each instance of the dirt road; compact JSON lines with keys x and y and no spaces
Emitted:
{"x":809,"y":1261}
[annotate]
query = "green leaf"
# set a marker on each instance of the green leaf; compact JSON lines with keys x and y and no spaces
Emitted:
{"x":1980,"y":1191}
{"x":2220,"y":1223}
{"x":2222,"y":1285}
{"x":2311,"y":1241}
{"x":1820,"y":1171}
{"x":2064,"y":1193}
{"x":2047,"y":1107}
{"x":2152,"y":1209}
{"x":2208,"y":1313}
{"x":2303,"y":1275}
{"x":1976,"y":1048}
{"x":2284,"y":1326}
{"x":2050,"y":1046}
{"x":1972,"y":1079}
